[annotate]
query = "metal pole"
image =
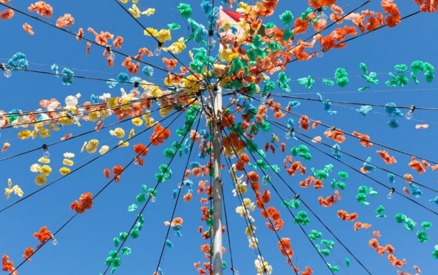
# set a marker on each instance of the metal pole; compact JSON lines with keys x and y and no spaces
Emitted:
{"x":217,"y":184}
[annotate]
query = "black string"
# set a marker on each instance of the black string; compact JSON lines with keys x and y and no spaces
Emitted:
{"x":276,"y":233}
{"x":76,"y":136}
{"x":177,"y":198}
{"x":353,"y":103}
{"x":86,"y":39}
{"x":248,"y":222}
{"x":81,"y":166}
{"x":228,"y":233}
{"x":290,"y":188}
{"x":144,"y":207}
{"x":145,"y":29}
{"x":102,"y":189}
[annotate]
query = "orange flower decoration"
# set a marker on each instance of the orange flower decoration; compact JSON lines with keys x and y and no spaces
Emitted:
{"x":28,"y":28}
{"x":28,"y":252}
{"x":304,"y":122}
{"x":86,"y":202}
{"x":141,"y":149}
{"x":43,"y":235}
{"x":160,"y":134}
{"x":170,"y":63}
{"x":343,"y":215}
{"x":386,"y":157}
{"x":335,"y":134}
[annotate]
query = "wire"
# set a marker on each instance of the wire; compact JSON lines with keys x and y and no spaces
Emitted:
{"x":76,"y":136}
{"x":86,"y":39}
{"x":325,"y":226}
{"x":83,"y":165}
{"x":144,"y":207}
{"x":257,"y":197}
{"x":353,"y":103}
{"x":351,"y":135}
{"x":89,"y":78}
{"x":150,"y":34}
{"x":369,"y":177}
{"x":98,"y":193}
{"x":177,"y":199}
{"x":248,"y":222}
{"x":228,"y":233}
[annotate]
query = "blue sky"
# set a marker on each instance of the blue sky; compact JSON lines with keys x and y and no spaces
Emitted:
{"x":85,"y":242}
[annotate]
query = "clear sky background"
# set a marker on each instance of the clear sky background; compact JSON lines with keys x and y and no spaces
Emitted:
{"x":85,"y":242}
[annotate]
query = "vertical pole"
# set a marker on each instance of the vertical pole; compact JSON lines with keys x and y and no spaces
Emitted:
{"x":217,"y":183}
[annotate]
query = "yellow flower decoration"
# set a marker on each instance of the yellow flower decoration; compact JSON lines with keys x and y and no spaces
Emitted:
{"x":150,"y":122}
{"x":69,"y":155}
{"x":104,"y":149}
{"x":104,"y":114}
{"x":137,"y":121}
{"x":68,"y":162}
{"x":64,"y":171}
{"x":176,"y":47}
{"x":191,"y":84}
{"x":227,"y":54}
{"x":131,"y":133}
{"x":44,"y":132}
{"x":118,"y":132}
{"x":53,"y":127}
{"x":25,"y":134}
{"x":93,"y":116}
{"x":45,"y":170}
{"x":224,"y":81}
{"x":247,"y":203}
{"x":164,"y":35}
{"x":126,"y":102}
{"x":150,"y":31}
{"x":135,"y":11}
{"x":92,"y":146}
{"x":13,"y":189}
{"x":146,"y":85}
{"x":40,"y":179}
{"x":149,"y":12}
{"x":156,"y":92}
{"x":250,"y":230}
{"x":112,"y":103}
{"x":44,"y":160}
{"x":123,"y":143}
{"x":124,"y":1}
{"x":165,"y":111}
{"x":243,"y":8}
{"x":35,"y":168}
{"x":83,"y":146}
{"x":242,"y":188}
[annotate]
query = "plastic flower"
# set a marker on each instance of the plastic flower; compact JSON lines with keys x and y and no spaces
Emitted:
{"x":45,"y":170}
{"x":25,"y":134}
{"x":35,"y":168}
{"x":163,"y":35}
{"x":68,"y":162}
{"x":69,"y":155}
{"x":13,"y":189}
{"x":104,"y":149}
{"x":148,"y":12}
{"x":92,"y":145}
{"x":137,"y":121}
{"x":118,"y":132}
{"x":40,"y":180}
{"x":262,"y":266}
{"x":44,"y":160}
{"x":64,"y":171}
